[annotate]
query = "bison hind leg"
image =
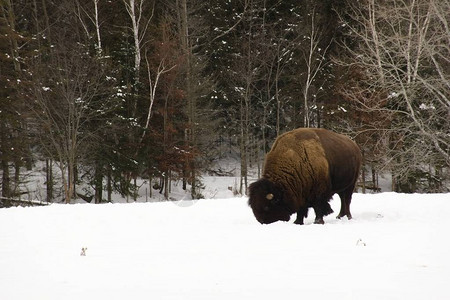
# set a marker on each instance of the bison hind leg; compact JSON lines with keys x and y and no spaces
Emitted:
{"x":346,"y":199}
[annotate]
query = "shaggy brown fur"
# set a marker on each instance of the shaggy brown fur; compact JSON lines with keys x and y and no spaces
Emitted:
{"x":304,"y":168}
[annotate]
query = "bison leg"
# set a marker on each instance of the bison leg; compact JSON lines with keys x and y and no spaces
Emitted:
{"x":319,"y":221}
{"x":319,"y":216}
{"x":346,"y":199}
{"x":301,"y":214}
{"x":322,"y":210}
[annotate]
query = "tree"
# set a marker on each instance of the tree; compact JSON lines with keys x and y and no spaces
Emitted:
{"x":194,"y":81}
{"x":65,"y":104}
{"x":14,"y":137}
{"x":315,"y":60}
{"x":163,"y":134}
{"x":399,"y":54}
{"x":83,"y":12}
{"x":140,"y":19}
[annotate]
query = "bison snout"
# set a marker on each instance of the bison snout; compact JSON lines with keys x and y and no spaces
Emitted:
{"x":268,"y":220}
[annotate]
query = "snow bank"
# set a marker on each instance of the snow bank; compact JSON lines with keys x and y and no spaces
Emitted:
{"x":396,"y":247}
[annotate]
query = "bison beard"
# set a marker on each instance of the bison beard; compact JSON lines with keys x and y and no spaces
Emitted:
{"x":304,"y":168}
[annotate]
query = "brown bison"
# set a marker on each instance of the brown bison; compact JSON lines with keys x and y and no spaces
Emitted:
{"x":304,"y":168}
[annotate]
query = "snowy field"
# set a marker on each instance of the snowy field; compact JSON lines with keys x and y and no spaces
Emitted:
{"x":396,"y":247}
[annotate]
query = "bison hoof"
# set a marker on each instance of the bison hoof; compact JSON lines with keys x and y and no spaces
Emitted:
{"x":319,"y":221}
{"x":298,"y":222}
{"x":341,"y":216}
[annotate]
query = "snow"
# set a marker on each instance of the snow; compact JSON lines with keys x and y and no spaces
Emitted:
{"x":424,"y":106}
{"x":396,"y":247}
{"x":393,"y":95}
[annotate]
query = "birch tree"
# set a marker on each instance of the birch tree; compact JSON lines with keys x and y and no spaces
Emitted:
{"x":315,"y":61}
{"x":153,"y":81}
{"x":94,"y":18}
{"x":140,"y":22}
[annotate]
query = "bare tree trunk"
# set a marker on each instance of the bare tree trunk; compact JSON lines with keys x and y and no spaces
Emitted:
{"x":363,"y":174}
{"x":7,"y":153}
{"x":97,"y":27}
{"x":135,"y":17}
{"x":70,"y":182}
{"x":135,"y":9}
{"x":244,"y":139}
{"x":315,"y":61}
{"x":167,"y":185}
{"x":277,"y":97}
{"x":277,"y":90}
{"x":243,"y":152}
{"x":17,"y":165}
{"x":135,"y":188}
{"x":109,"y":183}
{"x":374,"y":178}
{"x":186,"y":164}
{"x":264,"y":141}
{"x":6,"y":185}
{"x":153,"y":84}
{"x":150,"y":186}
{"x":98,"y":181}
{"x":190,"y":96}
{"x":49,"y":179}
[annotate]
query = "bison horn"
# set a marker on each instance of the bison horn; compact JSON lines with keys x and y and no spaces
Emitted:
{"x":269,"y":196}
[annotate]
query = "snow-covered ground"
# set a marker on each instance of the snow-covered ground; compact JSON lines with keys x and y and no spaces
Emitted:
{"x":396,"y":247}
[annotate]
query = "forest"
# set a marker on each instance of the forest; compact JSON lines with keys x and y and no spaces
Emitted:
{"x":100,"y":92}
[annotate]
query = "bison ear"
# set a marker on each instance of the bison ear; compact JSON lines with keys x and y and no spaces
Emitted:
{"x":269,"y":196}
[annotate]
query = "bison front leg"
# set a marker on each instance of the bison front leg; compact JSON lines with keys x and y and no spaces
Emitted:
{"x":319,"y":216}
{"x":301,"y":214}
{"x":321,"y":210}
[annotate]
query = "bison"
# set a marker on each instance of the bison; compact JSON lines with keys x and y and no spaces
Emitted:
{"x":305,"y":168}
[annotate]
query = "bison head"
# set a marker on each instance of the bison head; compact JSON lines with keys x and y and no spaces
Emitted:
{"x":267,"y":203}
